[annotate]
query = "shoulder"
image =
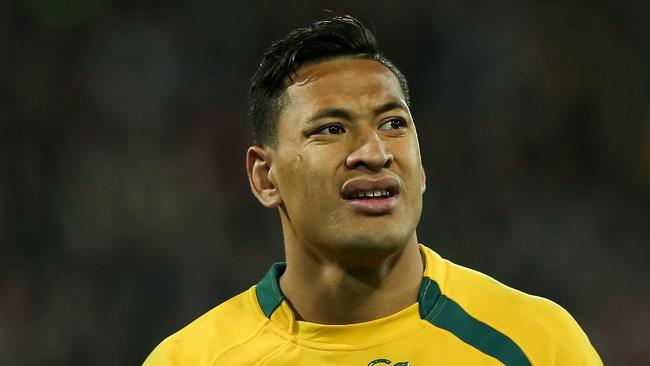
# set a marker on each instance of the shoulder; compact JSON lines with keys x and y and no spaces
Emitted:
{"x":544,"y":330}
{"x":205,"y":338}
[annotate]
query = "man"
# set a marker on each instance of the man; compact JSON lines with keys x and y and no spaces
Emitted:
{"x":336,"y":152}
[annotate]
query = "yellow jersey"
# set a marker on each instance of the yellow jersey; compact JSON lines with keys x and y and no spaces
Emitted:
{"x":462,"y":317}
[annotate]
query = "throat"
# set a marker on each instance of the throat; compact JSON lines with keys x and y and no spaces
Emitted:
{"x":335,"y":295}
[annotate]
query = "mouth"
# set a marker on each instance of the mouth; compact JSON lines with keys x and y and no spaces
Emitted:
{"x":371,"y":196}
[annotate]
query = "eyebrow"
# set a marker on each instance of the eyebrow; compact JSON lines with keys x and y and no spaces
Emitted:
{"x":334,"y":112}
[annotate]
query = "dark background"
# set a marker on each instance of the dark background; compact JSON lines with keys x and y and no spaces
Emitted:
{"x":124,"y":206}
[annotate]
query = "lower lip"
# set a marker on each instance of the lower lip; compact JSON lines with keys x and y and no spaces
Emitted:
{"x":374,"y":205}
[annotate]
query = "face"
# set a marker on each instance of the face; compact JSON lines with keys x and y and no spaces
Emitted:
{"x":346,"y":171}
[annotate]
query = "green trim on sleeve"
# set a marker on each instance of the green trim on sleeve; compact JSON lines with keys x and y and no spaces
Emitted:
{"x":269,"y":295}
{"x":444,"y":313}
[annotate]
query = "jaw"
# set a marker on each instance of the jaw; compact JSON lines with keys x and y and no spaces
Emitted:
{"x":355,"y":232}
{"x":353,"y":241}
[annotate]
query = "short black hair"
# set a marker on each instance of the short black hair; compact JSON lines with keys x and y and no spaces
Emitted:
{"x":335,"y":37}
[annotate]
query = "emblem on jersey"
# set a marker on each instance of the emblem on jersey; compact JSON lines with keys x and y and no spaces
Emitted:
{"x":383,"y":361}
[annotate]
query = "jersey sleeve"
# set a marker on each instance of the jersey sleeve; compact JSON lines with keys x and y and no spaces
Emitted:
{"x":169,"y":353}
{"x":573,"y":345}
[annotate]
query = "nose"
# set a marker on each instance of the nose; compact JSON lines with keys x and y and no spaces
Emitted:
{"x":370,"y":152}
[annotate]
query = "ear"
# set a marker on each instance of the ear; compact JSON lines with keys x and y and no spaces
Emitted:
{"x":423,"y":179}
{"x":258,"y":168}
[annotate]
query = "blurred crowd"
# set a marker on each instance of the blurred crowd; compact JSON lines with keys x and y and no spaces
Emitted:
{"x":124,"y":205}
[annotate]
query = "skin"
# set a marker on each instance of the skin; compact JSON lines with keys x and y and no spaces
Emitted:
{"x":344,"y":119}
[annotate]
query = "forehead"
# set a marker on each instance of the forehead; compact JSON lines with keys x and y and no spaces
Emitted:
{"x":343,"y":82}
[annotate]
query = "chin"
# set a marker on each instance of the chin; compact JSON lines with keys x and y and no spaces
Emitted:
{"x":368,"y":247}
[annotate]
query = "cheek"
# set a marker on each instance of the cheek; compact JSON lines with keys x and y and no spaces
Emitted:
{"x":410,"y":167}
{"x":415,"y":157}
{"x":407,"y":155}
{"x":315,"y":176}
{"x":307,"y":181}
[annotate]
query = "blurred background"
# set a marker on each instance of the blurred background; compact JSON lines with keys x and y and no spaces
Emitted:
{"x":125,"y":211}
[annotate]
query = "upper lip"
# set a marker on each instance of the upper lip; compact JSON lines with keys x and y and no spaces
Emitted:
{"x":363,"y":184}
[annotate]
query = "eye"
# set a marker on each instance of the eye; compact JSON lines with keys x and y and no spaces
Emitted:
{"x":393,"y":124}
{"x":333,"y":129}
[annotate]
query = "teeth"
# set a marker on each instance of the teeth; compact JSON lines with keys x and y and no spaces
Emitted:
{"x":375,"y":193}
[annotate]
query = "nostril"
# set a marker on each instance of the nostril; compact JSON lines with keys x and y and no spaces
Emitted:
{"x":372,"y":162}
{"x":371,"y":153}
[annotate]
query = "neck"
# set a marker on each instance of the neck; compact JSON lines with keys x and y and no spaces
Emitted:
{"x":330,"y":292}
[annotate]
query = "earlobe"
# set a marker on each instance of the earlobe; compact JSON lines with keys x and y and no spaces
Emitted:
{"x":258,"y":168}
{"x":423,"y":179}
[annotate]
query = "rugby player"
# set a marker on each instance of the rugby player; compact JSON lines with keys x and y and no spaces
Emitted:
{"x":336,"y":153}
